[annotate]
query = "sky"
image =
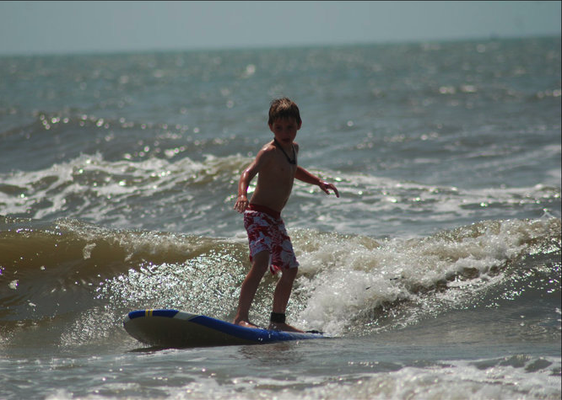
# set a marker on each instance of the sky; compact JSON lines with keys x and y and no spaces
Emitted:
{"x":66,"y":27}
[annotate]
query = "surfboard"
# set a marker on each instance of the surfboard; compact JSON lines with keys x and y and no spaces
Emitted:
{"x":178,"y":329}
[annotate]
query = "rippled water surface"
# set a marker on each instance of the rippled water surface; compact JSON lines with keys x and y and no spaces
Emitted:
{"x":436,"y":273}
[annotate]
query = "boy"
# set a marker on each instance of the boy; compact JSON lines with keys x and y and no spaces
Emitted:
{"x":270,"y":246}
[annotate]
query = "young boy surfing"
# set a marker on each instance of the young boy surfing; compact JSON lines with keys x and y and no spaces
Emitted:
{"x":270,"y":246}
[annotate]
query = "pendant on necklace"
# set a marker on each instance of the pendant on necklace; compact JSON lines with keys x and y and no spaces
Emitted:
{"x":293,"y":161}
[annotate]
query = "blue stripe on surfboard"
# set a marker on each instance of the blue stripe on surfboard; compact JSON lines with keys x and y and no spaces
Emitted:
{"x":152,"y":313}
{"x":253,"y":334}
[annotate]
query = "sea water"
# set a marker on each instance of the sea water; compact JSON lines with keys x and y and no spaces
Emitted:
{"x":436,"y":274}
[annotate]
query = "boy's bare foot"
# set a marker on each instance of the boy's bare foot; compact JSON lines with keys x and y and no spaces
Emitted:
{"x":278,"y":326}
{"x":246,"y":324}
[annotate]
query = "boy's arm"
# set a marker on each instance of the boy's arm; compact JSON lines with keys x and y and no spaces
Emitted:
{"x":245,"y":179}
{"x":249,"y":173}
{"x":305,"y":176}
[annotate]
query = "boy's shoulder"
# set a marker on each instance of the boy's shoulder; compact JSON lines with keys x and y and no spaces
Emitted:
{"x":267,"y":148}
{"x":266,"y":152}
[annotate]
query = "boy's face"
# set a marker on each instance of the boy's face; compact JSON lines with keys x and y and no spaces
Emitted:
{"x":285,"y":130}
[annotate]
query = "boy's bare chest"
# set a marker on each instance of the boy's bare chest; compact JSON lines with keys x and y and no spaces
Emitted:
{"x":279,"y":171}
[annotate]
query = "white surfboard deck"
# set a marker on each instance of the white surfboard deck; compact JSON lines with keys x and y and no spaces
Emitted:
{"x":173,"y":328}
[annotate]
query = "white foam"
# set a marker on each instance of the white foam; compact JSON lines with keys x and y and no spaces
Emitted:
{"x":456,"y":379}
{"x":89,"y":187}
{"x":345,"y":278}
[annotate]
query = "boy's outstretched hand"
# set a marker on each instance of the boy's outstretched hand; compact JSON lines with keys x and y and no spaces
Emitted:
{"x":326,"y":187}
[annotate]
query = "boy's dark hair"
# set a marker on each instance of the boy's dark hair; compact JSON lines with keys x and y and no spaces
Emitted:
{"x":282,"y":109}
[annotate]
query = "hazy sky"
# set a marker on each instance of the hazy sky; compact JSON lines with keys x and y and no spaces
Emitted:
{"x":69,"y":27}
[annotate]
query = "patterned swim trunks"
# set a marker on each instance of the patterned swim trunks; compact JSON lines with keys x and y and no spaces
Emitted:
{"x":266,"y":232}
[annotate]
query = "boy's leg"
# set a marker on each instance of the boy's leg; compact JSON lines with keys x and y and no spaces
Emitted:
{"x":260,"y":264}
{"x":281,"y":298}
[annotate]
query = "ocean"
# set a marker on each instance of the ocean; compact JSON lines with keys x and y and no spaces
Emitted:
{"x":436,"y":274}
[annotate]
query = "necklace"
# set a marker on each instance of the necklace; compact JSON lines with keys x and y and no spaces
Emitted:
{"x":294,"y":160}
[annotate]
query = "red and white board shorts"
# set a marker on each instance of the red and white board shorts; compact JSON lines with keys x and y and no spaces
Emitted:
{"x":266,"y":232}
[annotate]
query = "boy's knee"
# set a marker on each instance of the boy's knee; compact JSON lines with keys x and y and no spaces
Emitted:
{"x":290,"y":273}
{"x":261,"y":261}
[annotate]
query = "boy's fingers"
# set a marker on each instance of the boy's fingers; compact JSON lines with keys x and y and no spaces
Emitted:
{"x":240,"y":206}
{"x":335,"y":190}
{"x":327,"y":186}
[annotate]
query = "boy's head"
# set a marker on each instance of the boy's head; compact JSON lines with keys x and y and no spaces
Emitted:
{"x":284,"y":109}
